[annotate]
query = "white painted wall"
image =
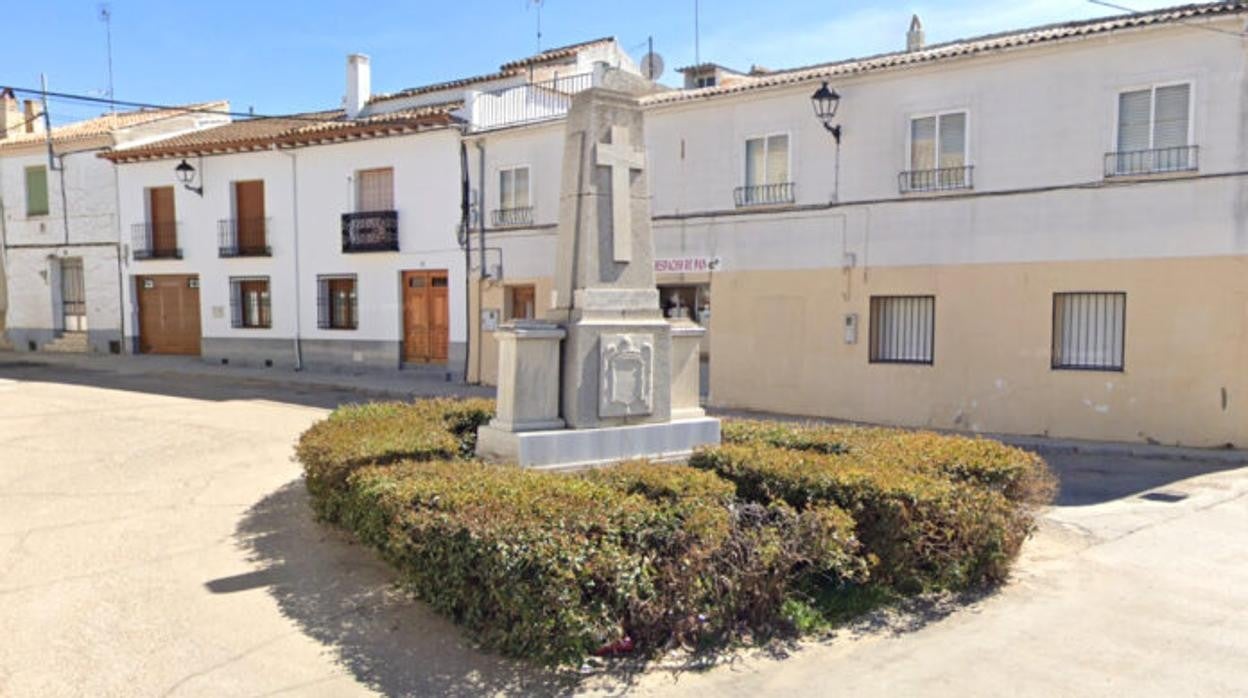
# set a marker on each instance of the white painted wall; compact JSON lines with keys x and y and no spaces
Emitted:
{"x":426,"y":183}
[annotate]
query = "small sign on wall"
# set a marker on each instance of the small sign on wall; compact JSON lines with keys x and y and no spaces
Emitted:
{"x":192,"y":283}
{"x":149,"y":284}
{"x":218,"y":312}
{"x":687,"y":264}
{"x":489,"y":319}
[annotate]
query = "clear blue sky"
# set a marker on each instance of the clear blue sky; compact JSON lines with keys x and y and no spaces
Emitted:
{"x":281,"y":57}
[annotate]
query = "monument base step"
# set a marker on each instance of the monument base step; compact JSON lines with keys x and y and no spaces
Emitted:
{"x":571,"y":449}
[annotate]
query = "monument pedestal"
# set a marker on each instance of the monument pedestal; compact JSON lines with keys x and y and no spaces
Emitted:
{"x":581,"y":448}
{"x":607,"y":365}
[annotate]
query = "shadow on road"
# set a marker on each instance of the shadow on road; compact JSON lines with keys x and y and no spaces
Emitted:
{"x":340,"y":594}
{"x":184,"y":385}
{"x":1087,"y":479}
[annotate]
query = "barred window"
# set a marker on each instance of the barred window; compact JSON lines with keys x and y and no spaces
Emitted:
{"x":337,"y":303}
{"x":249,"y":303}
{"x":1089,"y":330}
{"x":903,"y":329}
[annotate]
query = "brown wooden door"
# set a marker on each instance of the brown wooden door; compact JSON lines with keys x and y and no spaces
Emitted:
{"x":249,"y":210}
{"x":426,"y":316}
{"x":168,"y":314}
{"x":163,"y":218}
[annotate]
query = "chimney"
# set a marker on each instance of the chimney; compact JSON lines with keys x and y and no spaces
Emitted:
{"x":10,"y":115}
{"x":359,"y":84}
{"x":30,"y":116}
{"x":914,"y":37}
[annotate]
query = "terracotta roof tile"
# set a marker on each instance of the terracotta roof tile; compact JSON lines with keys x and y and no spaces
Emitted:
{"x":955,"y":49}
{"x":105,"y":124}
{"x":288,"y":131}
{"x":556,"y":53}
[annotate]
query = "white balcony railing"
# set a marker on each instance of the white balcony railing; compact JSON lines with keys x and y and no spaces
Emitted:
{"x":529,"y":103}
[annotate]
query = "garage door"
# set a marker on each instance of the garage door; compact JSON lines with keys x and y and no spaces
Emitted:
{"x":168,"y":314}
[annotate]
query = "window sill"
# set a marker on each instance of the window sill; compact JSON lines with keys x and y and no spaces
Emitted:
{"x":1090,"y":369}
{"x":891,"y":362}
{"x":936,"y":193}
{"x":1152,"y":176}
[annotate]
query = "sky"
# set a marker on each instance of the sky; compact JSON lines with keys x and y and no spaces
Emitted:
{"x":287,"y":57}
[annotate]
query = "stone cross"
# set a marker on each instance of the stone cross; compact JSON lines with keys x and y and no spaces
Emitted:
{"x":622,"y":158}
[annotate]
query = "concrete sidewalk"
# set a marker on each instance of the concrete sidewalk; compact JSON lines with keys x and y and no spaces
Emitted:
{"x":395,"y":385}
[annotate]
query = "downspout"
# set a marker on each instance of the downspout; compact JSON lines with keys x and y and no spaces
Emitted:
{"x":481,"y":245}
{"x":465,"y":241}
{"x":294,"y":210}
{"x":121,"y":275}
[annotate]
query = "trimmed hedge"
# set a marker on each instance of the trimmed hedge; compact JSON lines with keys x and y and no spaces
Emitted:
{"x":556,"y":567}
{"x":355,"y":436}
{"x":762,"y":535}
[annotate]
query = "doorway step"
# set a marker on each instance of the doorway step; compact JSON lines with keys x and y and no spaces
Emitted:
{"x":69,"y":343}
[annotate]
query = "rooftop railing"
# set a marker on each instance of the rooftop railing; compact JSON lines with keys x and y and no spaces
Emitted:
{"x":528,"y":103}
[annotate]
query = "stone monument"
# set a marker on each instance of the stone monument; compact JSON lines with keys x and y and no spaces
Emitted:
{"x":607,"y":378}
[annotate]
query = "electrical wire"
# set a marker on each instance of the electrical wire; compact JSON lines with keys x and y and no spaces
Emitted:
{"x":166,"y":107}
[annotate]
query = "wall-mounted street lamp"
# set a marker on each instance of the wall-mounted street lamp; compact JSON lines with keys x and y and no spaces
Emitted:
{"x":826,"y":101}
{"x":186,"y":175}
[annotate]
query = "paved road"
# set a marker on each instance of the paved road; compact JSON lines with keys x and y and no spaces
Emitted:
{"x":155,"y":540}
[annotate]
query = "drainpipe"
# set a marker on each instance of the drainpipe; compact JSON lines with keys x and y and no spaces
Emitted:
{"x":294,"y":210}
{"x":481,"y":239}
{"x":465,"y":241}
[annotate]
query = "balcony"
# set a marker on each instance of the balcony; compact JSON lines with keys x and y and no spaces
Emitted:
{"x":370,"y":231}
{"x":512,"y":217}
{"x":942,"y":179}
{"x":766,"y":195}
{"x":154,"y":241}
{"x":1137,"y":163}
{"x":247,"y":237}
{"x":527,"y":103}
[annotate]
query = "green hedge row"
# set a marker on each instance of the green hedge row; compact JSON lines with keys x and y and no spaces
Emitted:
{"x":555,"y":566}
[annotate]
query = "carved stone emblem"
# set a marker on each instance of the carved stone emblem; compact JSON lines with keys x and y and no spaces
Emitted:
{"x":627,"y":370}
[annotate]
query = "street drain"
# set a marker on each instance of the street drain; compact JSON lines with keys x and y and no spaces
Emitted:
{"x":1164,"y":497}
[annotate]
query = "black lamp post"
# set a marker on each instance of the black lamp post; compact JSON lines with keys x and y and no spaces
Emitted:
{"x":186,"y":175}
{"x":826,"y":101}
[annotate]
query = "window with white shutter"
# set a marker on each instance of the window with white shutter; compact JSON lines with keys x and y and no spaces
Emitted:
{"x":903,"y":329}
{"x":374,"y":190}
{"x":1154,"y":132}
{"x":514,"y":202}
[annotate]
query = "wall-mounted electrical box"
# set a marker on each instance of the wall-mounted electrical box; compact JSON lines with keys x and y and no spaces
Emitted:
{"x":851,"y":328}
{"x":489,"y":319}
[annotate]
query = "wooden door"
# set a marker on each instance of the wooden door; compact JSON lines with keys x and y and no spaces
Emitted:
{"x":426,"y":316}
{"x":249,"y":212}
{"x":168,"y":314}
{"x":163,"y":219}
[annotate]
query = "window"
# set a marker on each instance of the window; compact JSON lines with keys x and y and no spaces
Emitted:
{"x":374,"y":190}
{"x":337,"y":303}
{"x":938,"y":158}
{"x":37,"y":190}
{"x":704,"y":81}
{"x":1088,"y":330}
{"x":767,"y":179}
{"x":249,"y":303}
{"x":520,"y":303}
{"x":513,"y":188}
{"x":1154,"y":129}
{"x":903,"y":329}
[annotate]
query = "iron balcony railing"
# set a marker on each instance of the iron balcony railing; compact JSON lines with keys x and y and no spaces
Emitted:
{"x":154,"y":241}
{"x":245,"y":237}
{"x":942,"y":179}
{"x":1185,"y":158}
{"x":370,"y":231}
{"x":766,"y":194}
{"x":527,"y":103}
{"x":505,"y":217}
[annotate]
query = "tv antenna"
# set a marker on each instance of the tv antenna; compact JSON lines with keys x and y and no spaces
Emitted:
{"x":106,"y":16}
{"x":652,"y":63}
{"x":538,"y":4}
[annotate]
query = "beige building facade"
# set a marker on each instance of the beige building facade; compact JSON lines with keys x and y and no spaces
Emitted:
{"x":1040,"y":232}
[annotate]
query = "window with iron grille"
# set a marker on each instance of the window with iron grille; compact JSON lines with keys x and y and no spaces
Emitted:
{"x":938,"y":154}
{"x":337,"y":303}
{"x":250,"y":305}
{"x":1154,"y":132}
{"x":1089,"y":330}
{"x":767,"y":176}
{"x":903,"y":329}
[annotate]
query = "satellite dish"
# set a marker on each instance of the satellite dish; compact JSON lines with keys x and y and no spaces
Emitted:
{"x":652,"y":66}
